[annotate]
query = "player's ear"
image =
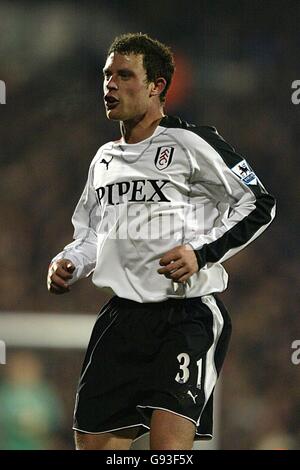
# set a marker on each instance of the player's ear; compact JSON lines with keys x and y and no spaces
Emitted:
{"x":158,"y":86}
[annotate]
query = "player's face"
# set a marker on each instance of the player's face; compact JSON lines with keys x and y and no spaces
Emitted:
{"x":126,"y":91}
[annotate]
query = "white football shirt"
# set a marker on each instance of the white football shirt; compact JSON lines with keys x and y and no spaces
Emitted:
{"x":182,"y":185}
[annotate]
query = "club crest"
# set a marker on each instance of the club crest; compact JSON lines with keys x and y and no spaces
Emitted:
{"x":163,"y":157}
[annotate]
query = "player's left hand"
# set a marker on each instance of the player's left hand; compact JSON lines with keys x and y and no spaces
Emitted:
{"x":180,"y":263}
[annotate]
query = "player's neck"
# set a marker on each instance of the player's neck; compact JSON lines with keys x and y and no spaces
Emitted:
{"x":141,"y":128}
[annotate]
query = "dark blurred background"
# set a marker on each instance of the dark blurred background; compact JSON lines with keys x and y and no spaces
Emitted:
{"x":236,"y":61}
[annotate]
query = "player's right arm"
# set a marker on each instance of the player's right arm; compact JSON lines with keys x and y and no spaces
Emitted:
{"x":78,"y":259}
{"x":59,"y":274}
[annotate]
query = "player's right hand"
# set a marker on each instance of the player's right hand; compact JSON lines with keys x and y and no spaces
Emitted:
{"x":59,"y":273}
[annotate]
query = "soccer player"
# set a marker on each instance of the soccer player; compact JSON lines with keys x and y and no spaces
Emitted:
{"x":162,"y":208}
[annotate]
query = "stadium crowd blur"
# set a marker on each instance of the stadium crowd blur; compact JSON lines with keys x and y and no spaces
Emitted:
{"x":235,"y":67}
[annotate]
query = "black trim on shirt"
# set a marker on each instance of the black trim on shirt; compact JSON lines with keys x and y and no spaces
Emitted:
{"x":246,"y":228}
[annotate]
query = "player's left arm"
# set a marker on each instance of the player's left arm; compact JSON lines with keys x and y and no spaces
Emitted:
{"x":179,"y":264}
{"x":227,"y":178}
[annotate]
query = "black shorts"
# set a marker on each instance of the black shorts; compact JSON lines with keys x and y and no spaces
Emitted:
{"x":149,"y":356}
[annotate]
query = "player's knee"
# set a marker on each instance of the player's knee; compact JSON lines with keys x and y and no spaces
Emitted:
{"x":79,"y":441}
{"x":120,"y":440}
{"x":83,"y":441}
{"x":169,"y":431}
{"x":170,"y":443}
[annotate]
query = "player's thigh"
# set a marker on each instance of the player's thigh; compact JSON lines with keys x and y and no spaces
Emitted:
{"x":169,"y":431}
{"x":120,"y":440}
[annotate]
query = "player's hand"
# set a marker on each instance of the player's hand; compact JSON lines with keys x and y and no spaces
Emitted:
{"x":59,"y":273}
{"x":180,"y":263}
